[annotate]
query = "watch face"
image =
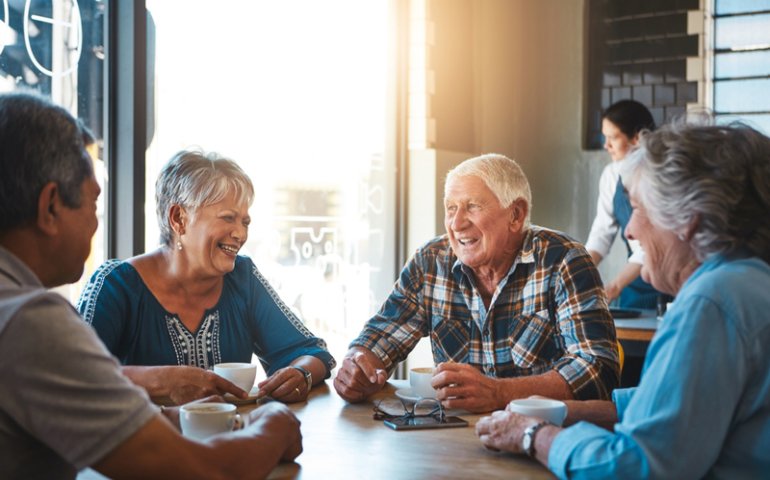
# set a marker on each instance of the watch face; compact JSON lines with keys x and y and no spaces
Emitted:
{"x":526,"y":441}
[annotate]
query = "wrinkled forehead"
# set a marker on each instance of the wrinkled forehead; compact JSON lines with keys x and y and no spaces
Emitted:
{"x":459,"y":187}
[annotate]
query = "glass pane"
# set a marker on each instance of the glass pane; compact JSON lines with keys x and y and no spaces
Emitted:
{"x":740,"y":6}
{"x":742,"y":32}
{"x":742,"y":96}
{"x":56,"y":48}
{"x":760,"y":122}
{"x":742,"y":64}
{"x":295,"y":92}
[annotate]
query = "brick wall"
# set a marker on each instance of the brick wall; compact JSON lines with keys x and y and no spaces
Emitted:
{"x":638,"y":50}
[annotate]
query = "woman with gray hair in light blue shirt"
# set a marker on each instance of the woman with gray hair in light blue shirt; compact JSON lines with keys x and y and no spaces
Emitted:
{"x":701,"y":210}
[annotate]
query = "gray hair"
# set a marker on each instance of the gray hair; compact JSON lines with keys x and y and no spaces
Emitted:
{"x":719,"y":175}
{"x":39,"y":143}
{"x":194,"y":179}
{"x":502,"y":175}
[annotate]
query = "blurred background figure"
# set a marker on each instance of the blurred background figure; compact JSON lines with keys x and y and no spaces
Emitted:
{"x":622,"y":124}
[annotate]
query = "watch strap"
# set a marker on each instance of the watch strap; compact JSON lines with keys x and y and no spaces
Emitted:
{"x":308,"y":376}
{"x":528,"y":439}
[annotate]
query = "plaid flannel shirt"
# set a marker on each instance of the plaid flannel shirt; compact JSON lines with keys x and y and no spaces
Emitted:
{"x":549,"y":313}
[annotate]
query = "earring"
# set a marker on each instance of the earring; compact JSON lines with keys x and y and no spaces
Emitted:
{"x":178,"y":245}
{"x":681,"y":236}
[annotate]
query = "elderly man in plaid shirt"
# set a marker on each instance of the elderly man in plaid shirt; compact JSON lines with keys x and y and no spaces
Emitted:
{"x":512,"y":309}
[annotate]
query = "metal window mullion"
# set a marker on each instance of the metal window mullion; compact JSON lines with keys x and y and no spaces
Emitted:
{"x":741,"y":14}
{"x":126,"y":125}
{"x":746,"y":77}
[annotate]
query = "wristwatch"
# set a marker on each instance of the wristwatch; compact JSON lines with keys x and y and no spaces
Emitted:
{"x":307,"y":374}
{"x":528,"y":440}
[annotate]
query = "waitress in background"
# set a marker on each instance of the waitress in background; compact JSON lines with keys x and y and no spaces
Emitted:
{"x":622,"y":123}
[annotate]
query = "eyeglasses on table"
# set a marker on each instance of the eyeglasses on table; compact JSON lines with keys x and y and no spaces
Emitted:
{"x":387,"y":409}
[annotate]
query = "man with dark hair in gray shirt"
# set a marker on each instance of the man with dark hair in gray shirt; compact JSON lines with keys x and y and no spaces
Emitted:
{"x":65,"y":405}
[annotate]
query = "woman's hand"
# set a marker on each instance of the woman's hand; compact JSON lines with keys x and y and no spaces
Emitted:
{"x":286,"y":385}
{"x":613,"y":291}
{"x":181,"y":384}
{"x":502,"y":431}
{"x":191,"y":383}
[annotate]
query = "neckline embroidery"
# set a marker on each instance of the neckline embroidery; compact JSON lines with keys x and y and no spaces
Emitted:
{"x":199,"y":349}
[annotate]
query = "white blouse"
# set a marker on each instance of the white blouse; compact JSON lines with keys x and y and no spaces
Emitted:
{"x":605,"y":226}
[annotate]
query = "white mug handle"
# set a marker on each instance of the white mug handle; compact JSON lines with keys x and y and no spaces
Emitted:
{"x":238,"y":423}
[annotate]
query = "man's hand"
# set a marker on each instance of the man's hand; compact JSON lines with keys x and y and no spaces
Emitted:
{"x":275,"y":421}
{"x":360,"y":375}
{"x":459,"y":385}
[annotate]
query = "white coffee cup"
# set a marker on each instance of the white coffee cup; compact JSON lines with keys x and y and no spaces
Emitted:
{"x":202,"y":420}
{"x":241,"y":374}
{"x":419,"y":380}
{"x":554,"y":411}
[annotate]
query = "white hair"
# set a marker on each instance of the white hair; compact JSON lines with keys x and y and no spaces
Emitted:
{"x":503,"y":176}
{"x":716,"y":177}
{"x":194,"y":179}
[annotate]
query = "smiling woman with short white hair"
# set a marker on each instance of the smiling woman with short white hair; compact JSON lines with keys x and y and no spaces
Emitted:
{"x":171,"y":314}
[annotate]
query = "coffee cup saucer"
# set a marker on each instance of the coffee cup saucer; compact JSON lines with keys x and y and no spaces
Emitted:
{"x":253,"y":395}
{"x":408,"y":395}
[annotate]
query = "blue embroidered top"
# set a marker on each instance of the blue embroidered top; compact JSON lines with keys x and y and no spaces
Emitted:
{"x":249,"y":318}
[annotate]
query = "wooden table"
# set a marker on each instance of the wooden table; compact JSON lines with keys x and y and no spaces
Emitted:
{"x":342,"y":441}
{"x":639,"y":329}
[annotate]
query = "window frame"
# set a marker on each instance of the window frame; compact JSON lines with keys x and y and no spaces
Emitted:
{"x":713,"y":80}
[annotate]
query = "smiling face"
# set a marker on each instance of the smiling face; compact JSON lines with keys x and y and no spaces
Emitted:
{"x":215,"y":233}
{"x":616,"y":142}
{"x":484,"y":235}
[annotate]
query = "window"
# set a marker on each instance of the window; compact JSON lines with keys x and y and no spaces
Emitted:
{"x":296,"y":93}
{"x":56,"y":48}
{"x":741,"y":62}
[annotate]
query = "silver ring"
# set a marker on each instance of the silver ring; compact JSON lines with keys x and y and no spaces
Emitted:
{"x":297,"y":390}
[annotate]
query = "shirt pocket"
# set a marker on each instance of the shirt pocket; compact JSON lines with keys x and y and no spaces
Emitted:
{"x":531,"y":342}
{"x":450,"y":339}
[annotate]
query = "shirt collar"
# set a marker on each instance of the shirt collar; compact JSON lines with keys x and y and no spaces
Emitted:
{"x":13,"y":269}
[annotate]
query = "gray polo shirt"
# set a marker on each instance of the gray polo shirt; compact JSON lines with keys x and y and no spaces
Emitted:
{"x":64,"y":403}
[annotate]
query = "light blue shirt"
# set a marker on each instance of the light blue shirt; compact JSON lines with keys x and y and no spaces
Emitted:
{"x":702,"y":408}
